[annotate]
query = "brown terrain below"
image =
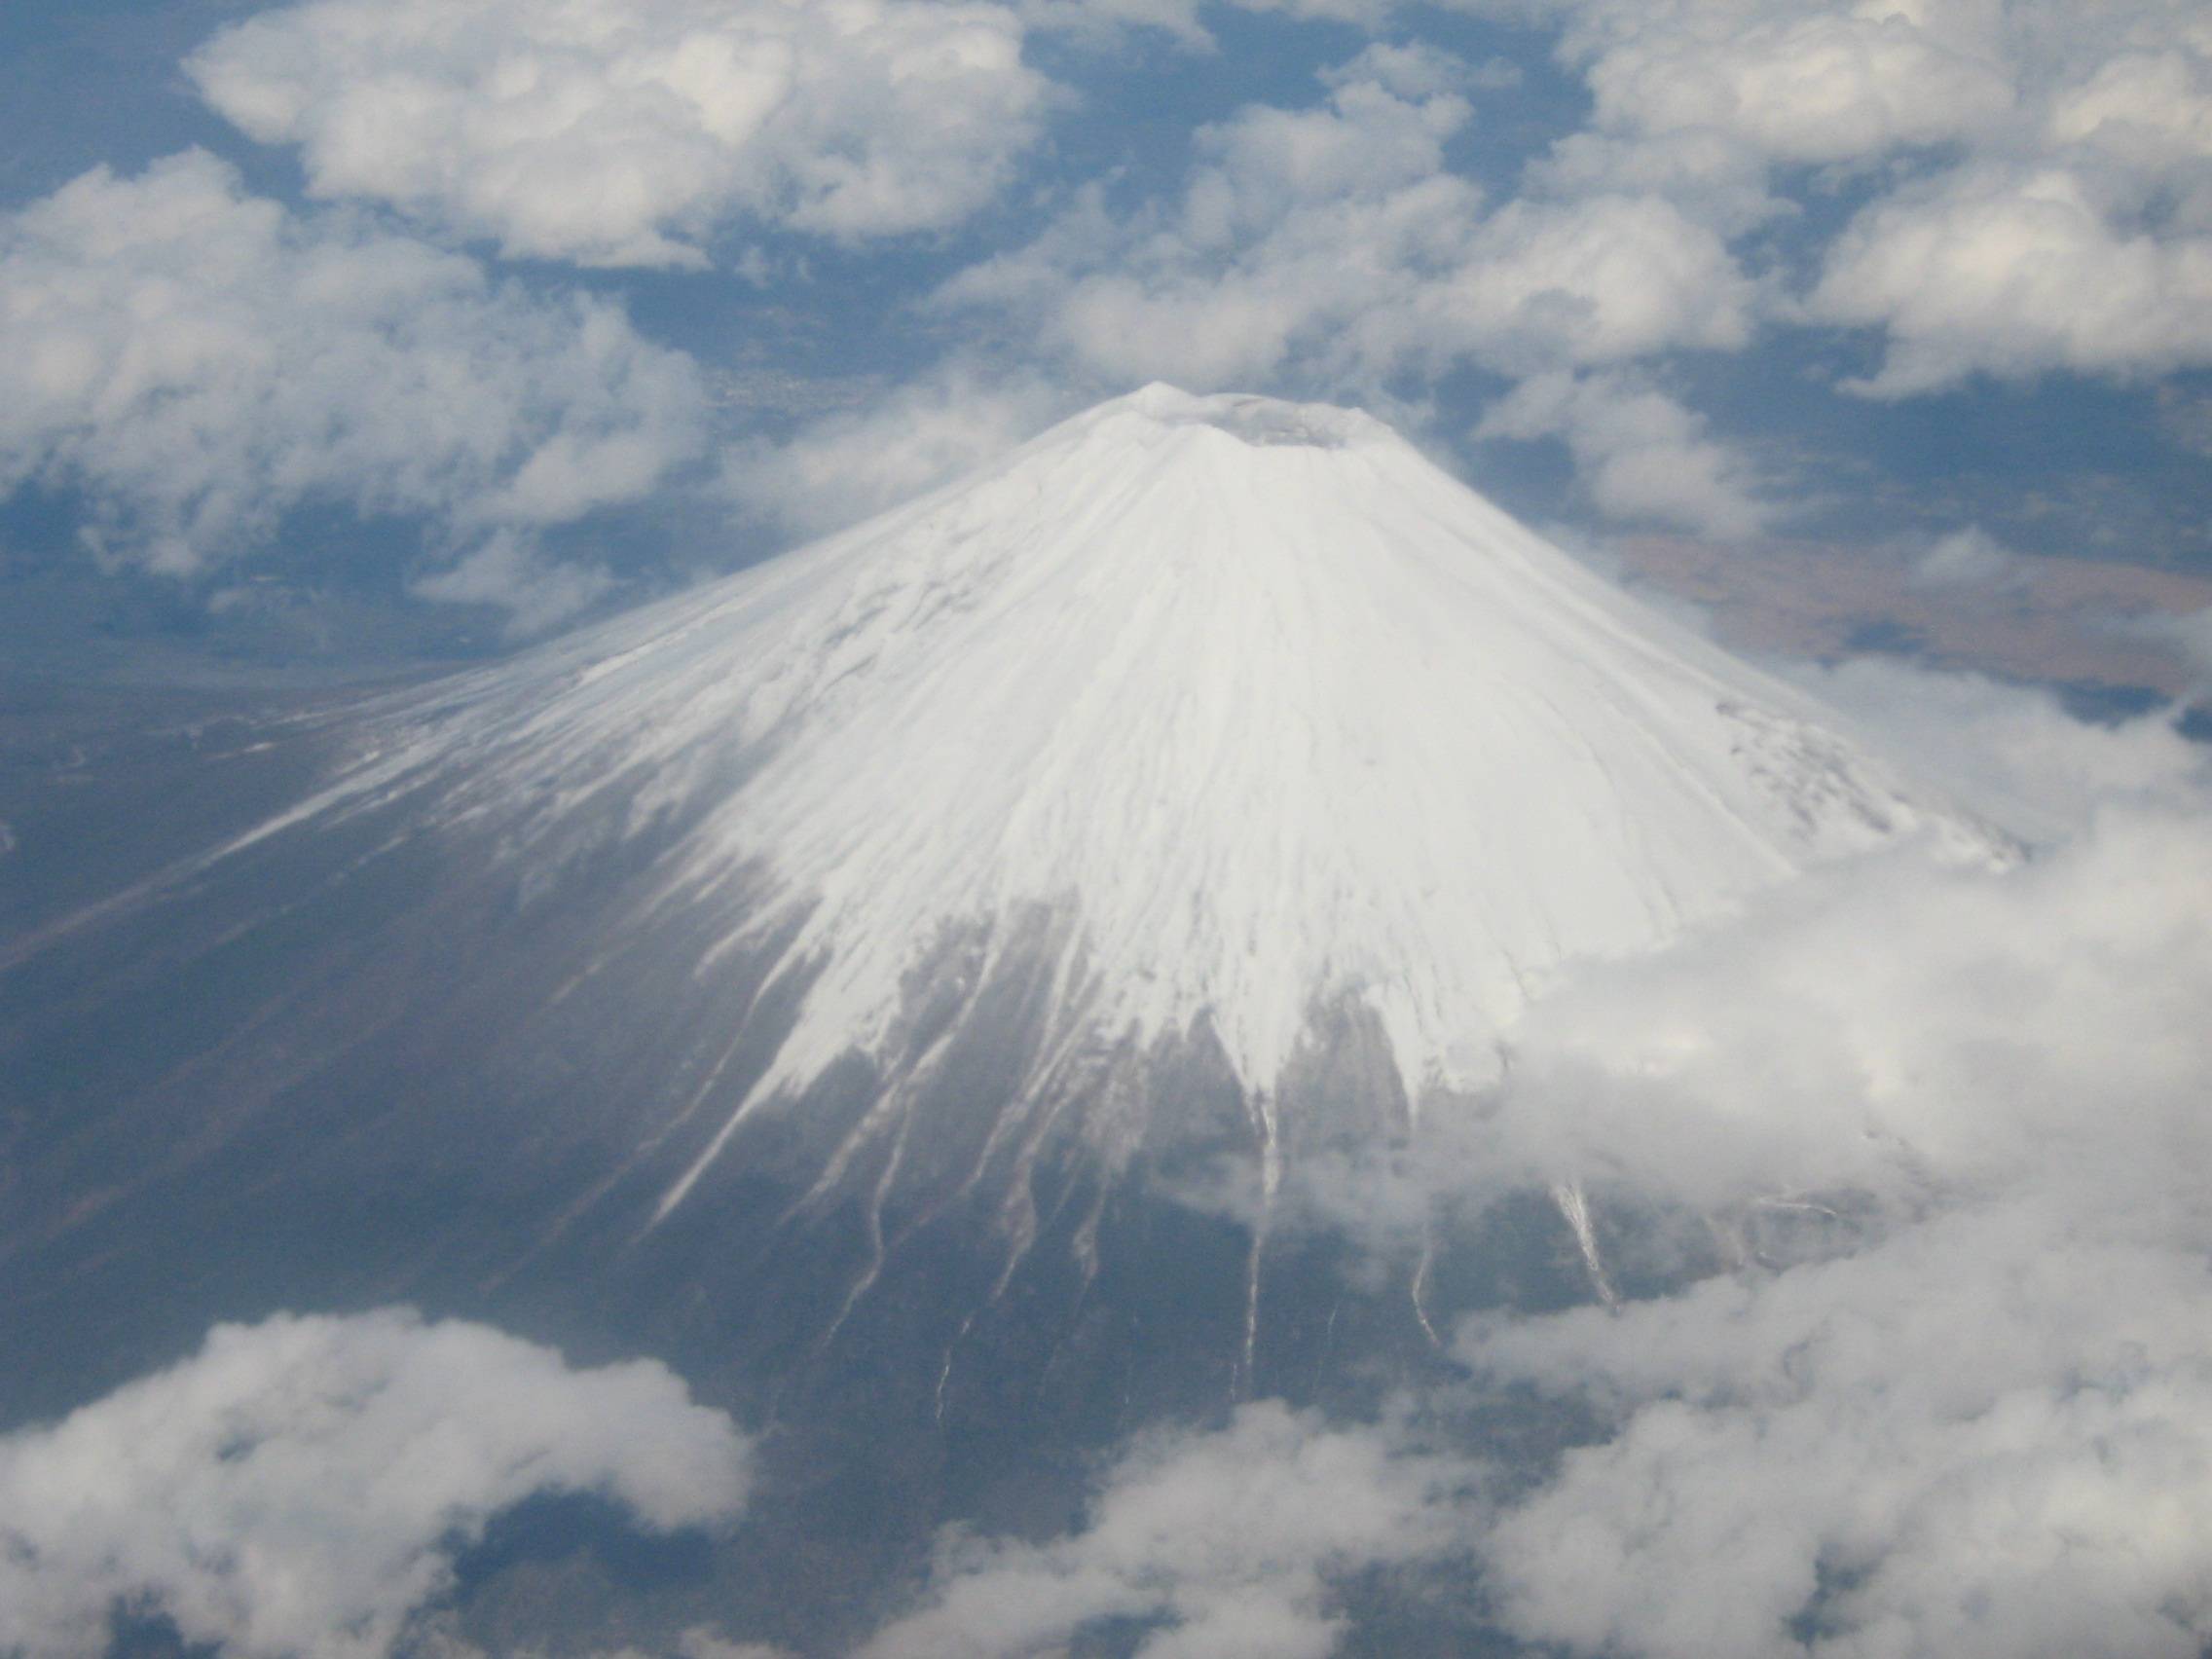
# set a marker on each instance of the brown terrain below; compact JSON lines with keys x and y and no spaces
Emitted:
{"x":2080,"y":623}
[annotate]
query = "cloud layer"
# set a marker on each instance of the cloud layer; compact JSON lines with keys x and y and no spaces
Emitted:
{"x":1990,"y":1436}
{"x":631,"y":131}
{"x":2041,"y":176}
{"x":1335,"y":245}
{"x":1229,"y":1542}
{"x":1918,"y":1156}
{"x":199,"y":361}
{"x":1956,"y":1396}
{"x":846,"y":466}
{"x":1962,"y":191}
{"x":1899,"y":201}
{"x":301,"y":1485}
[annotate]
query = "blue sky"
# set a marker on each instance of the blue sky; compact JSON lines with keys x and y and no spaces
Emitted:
{"x":516,"y":310}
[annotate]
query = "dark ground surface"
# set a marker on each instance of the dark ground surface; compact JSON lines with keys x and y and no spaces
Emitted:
{"x":354,"y":1068}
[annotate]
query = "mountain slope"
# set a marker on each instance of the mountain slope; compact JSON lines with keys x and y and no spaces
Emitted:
{"x":1245,"y":704}
{"x":902,"y":984}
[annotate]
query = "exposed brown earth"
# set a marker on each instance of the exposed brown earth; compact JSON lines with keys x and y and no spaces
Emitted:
{"x":2075,"y":621}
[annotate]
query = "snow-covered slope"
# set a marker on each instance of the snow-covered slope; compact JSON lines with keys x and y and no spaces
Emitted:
{"x":1245,"y":709}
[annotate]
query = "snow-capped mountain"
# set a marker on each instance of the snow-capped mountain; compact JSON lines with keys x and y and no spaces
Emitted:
{"x":1199,"y":730}
{"x":903,"y":983}
{"x":1215,"y":711}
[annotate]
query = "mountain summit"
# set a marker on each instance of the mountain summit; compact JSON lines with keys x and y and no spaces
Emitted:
{"x":1208,"y":714}
{"x":907,"y":984}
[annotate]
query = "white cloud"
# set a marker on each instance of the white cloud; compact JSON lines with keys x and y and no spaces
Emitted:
{"x":1333,"y":248}
{"x":1955,"y":1396}
{"x":1820,"y":84}
{"x":1869,"y":1028}
{"x":2014,"y":754}
{"x":1713,"y":178}
{"x":846,"y":466}
{"x":1641,"y":455}
{"x":1889,"y":1025}
{"x":1601,"y":279}
{"x":2150,"y":111}
{"x":199,"y":361}
{"x":628,"y":131}
{"x":1966,"y":558}
{"x":299,"y":1486}
{"x":702,"y":1644}
{"x":2009,"y":274}
{"x":509,"y":573}
{"x":1832,"y":82}
{"x":1990,"y":1438}
{"x":1943,"y":1129}
{"x":1296,"y":228}
{"x":1231,"y":1541}
{"x":2040,"y":173}
{"x":1977,"y":1421}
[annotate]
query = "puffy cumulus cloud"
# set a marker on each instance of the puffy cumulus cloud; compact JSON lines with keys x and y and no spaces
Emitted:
{"x":1797,"y":84}
{"x":1916,"y":1154}
{"x":1333,"y":250}
{"x":1854,"y":1041}
{"x":1966,"y":558}
{"x":1893,"y":1026}
{"x":847,"y":464}
{"x":1921,"y":1149}
{"x":2013,"y":753}
{"x":300,"y":1486}
{"x":1297,"y":229}
{"x":1640,"y":455}
{"x":1595,"y":280}
{"x":2148,"y":115}
{"x":2040,"y":174}
{"x":1332,"y":246}
{"x":1917,"y":1023}
{"x":2011,"y":274}
{"x":1990,"y":1438}
{"x":703,"y":1643}
{"x":1835,"y":84}
{"x":1228,"y":1543}
{"x":1706,"y":175}
{"x":626,"y":131}
{"x":1955,"y":1396}
{"x":199,"y":361}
